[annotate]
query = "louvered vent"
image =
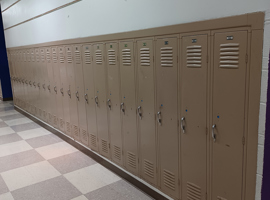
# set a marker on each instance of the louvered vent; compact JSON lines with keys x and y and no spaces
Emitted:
{"x":61,"y":57}
{"x":145,"y":56}
{"x":221,"y":198}
{"x":149,"y":168}
{"x":69,"y":57}
{"x":33,"y":56}
{"x":193,"y":192}
{"x":75,"y":130}
{"x":84,"y":135}
{"x":111,"y":57}
{"x":166,"y":55}
{"x":126,"y":57}
{"x":229,"y":55}
{"x":104,"y":146}
{"x":78,"y":57}
{"x":54,"y":57}
{"x":169,"y":179}
{"x":42,"y":56}
{"x":48,"y":56}
{"x":194,"y":56}
{"x":68,"y":127}
{"x":28,"y":56}
{"x":37,"y":56}
{"x":55,"y":120}
{"x":117,"y":152}
{"x":87,"y":57}
{"x":93,"y":140}
{"x":131,"y":158}
{"x":98,"y":57}
{"x":62,"y":123}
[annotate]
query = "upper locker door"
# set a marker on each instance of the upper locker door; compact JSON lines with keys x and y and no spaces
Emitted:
{"x":37,"y":81}
{"x":77,"y":49}
{"x":193,"y":94}
{"x":166,"y":82}
{"x":113,"y":102}
{"x":146,"y":110}
{"x":101,"y":98}
{"x":89,"y":95}
{"x":128,"y":105}
{"x":44,"y":83}
{"x":33,"y":81}
{"x":228,"y":115}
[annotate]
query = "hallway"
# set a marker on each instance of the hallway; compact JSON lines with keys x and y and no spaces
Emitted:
{"x":37,"y":165}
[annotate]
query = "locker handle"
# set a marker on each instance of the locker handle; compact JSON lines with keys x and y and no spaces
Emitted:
{"x":49,"y":87}
{"x":122,"y":107}
{"x":62,"y":91}
{"x":34,"y":84}
{"x":69,"y":93}
{"x":109,"y":104}
{"x":183,"y":124}
{"x":213,"y":133}
{"x":77,"y":95}
{"x":159,"y":117}
{"x":55,"y":89}
{"x":96,"y":100}
{"x":38,"y":85}
{"x":86,"y":98}
{"x":30,"y":83}
{"x":139,"y":112}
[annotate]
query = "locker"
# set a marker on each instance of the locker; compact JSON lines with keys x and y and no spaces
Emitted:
{"x":166,"y":108}
{"x":27,"y":74}
{"x":146,"y":110}
{"x":101,"y":99}
{"x":128,"y":105}
{"x":32,"y":81}
{"x":113,"y":102}
{"x":193,"y":94}
{"x":74,"y":124}
{"x":45,"y":100}
{"x":228,"y":114}
{"x":24,"y":71}
{"x":64,"y":89}
{"x":89,"y":96}
{"x":78,"y":68}
{"x":36,"y":82}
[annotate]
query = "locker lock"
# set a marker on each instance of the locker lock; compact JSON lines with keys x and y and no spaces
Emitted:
{"x":77,"y":95}
{"x":139,"y":112}
{"x":30,"y":83}
{"x":62,"y":91}
{"x":49,"y":87}
{"x":159,"y":117}
{"x":55,"y":89}
{"x":213,"y":133}
{"x":122,"y":107}
{"x":86,"y":98}
{"x":69,"y":93}
{"x":183,"y":124}
{"x":109,"y":104}
{"x":96,"y":100}
{"x":34,"y":84}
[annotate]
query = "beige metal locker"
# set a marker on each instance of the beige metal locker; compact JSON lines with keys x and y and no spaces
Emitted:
{"x":113,"y":102}
{"x":89,"y":96}
{"x":74,"y":123}
{"x":146,"y":110}
{"x":45,"y":94}
{"x":79,"y":83}
{"x":193,"y":98}
{"x":128,"y":105}
{"x":32,"y":81}
{"x":101,"y":98}
{"x":36,"y":82}
{"x":228,"y":114}
{"x":167,"y":117}
{"x":64,"y":89}
{"x":27,"y":74}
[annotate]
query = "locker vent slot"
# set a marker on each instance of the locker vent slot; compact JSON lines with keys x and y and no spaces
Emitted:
{"x":194,"y":56}
{"x":93,"y":140}
{"x":166,"y":56}
{"x":87,"y":57}
{"x":84,"y":135}
{"x":126,"y":57}
{"x":229,"y":55}
{"x":42,"y":57}
{"x":55,"y":120}
{"x":221,"y":198}
{"x":193,"y":192}
{"x":68,"y":127}
{"x":61,"y":57}
{"x":48,"y":56}
{"x":117,"y":152}
{"x":145,"y":56}
{"x":62,"y":123}
{"x":75,"y":130}
{"x":149,"y":168}
{"x":169,"y":179}
{"x":33,"y":57}
{"x":98,"y":57}
{"x":37,"y":56}
{"x":111,"y":57}
{"x":69,"y":57}
{"x":131,"y":159}
{"x":104,"y":146}
{"x":78,"y":57}
{"x":54,"y":56}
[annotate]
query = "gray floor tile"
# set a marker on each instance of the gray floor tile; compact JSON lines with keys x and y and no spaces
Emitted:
{"x":71,"y":162}
{"x":19,"y":160}
{"x":10,"y":117}
{"x":54,"y":189}
{"x":14,"y":137}
{"x":3,"y":124}
{"x":24,"y":127}
{"x":43,"y":140}
{"x":7,"y":108}
{"x":3,"y":186}
{"x":104,"y":193}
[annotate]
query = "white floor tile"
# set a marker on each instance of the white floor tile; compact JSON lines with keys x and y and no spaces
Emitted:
{"x":6,"y":196}
{"x":33,"y":133}
{"x":28,"y":175}
{"x":80,"y":198}
{"x":91,"y":178}
{"x":19,"y":121}
{"x":14,"y":147}
{"x":6,"y":131}
{"x":9,"y":112}
{"x":56,"y":150}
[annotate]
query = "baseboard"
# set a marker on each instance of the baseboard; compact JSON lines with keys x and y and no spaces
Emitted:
{"x":139,"y":183}
{"x":6,"y":99}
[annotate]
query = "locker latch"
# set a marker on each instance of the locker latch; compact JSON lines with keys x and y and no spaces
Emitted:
{"x":55,"y":89}
{"x":96,"y":100}
{"x":122,"y":107}
{"x":139,"y":112}
{"x":183,"y":124}
{"x":62,"y":91}
{"x":69,"y":93}
{"x":159,"y":117}
{"x":109,"y":104}
{"x":49,"y":87}
{"x":34,"y":84}
{"x":77,"y":95}
{"x":213,"y":133}
{"x":86,"y":98}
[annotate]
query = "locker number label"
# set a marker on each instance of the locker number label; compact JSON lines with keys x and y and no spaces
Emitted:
{"x":166,"y":42}
{"x":194,"y":40}
{"x":110,"y":46}
{"x":125,"y":45}
{"x":144,"y":44}
{"x":229,"y":37}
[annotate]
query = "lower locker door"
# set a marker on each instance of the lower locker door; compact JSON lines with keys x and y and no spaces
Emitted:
{"x":228,"y":119}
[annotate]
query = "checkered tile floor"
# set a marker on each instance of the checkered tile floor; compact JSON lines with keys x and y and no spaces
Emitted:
{"x":37,"y":165}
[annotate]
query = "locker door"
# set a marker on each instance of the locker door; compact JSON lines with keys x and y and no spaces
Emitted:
{"x":101,"y":99}
{"x":167,"y":128}
{"x":32,"y":84}
{"x":113,"y":102}
{"x":72,"y":95}
{"x":228,"y":115}
{"x":64,"y":89}
{"x":89,"y":95}
{"x":27,"y":80}
{"x":193,"y":84}
{"x":37,"y":81}
{"x":146,"y":110}
{"x":128,"y":105}
{"x":77,"y":49}
{"x":45,"y":100}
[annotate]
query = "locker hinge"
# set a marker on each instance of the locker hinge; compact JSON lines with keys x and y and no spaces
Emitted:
{"x":179,"y":182}
{"x":207,"y":59}
{"x":178,"y":122}
{"x":246,"y":58}
{"x":243,"y":140}
{"x":109,"y":145}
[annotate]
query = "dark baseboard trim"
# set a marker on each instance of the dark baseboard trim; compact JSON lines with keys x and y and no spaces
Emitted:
{"x":97,"y":158}
{"x":6,"y":99}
